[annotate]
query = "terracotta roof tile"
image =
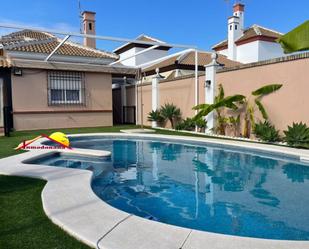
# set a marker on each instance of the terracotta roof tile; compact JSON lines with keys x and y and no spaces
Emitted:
{"x":40,"y":42}
{"x":254,"y":31}
{"x":26,"y":33}
{"x":220,"y":44}
{"x":204,"y":58}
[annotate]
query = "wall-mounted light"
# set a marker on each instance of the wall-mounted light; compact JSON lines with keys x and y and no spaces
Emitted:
{"x":207,"y":83}
{"x":17,"y":71}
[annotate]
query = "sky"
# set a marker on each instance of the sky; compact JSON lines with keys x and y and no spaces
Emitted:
{"x":201,"y":23}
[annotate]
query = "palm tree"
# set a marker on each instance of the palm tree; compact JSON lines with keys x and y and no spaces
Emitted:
{"x":234,"y":123}
{"x":250,"y":108}
{"x":220,"y":102}
{"x":155,"y":116}
{"x":170,"y":112}
{"x":260,"y":93}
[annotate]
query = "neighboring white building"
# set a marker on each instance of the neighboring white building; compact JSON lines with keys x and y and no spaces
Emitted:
{"x":128,"y":50}
{"x":248,"y":45}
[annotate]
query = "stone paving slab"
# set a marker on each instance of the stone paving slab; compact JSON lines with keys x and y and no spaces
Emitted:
{"x":139,"y":233}
{"x":199,"y":239}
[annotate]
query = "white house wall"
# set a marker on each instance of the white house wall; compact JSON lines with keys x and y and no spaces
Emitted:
{"x":149,"y":55}
{"x":269,"y":50}
{"x":248,"y":52}
{"x":142,"y":58}
{"x":126,"y":54}
{"x":223,"y":52}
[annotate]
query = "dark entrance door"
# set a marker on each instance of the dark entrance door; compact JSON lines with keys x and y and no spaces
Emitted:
{"x":117,"y":112}
{"x":129,"y":115}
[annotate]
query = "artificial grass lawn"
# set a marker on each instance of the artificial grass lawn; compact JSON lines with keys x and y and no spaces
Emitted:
{"x":7,"y":144}
{"x":23,"y":223}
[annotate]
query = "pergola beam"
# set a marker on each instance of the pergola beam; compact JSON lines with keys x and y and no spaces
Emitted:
{"x":115,"y":39}
{"x":138,"y":53}
{"x":107,"y":38}
{"x":57,"y":48}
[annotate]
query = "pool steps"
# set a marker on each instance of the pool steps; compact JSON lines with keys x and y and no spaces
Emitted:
{"x":86,"y":152}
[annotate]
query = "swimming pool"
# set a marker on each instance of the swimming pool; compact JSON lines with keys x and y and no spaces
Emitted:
{"x":208,"y":188}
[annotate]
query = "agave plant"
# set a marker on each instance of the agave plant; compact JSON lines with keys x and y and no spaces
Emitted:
{"x":266,"y":132}
{"x":297,"y":135}
{"x":187,"y":124}
{"x":170,"y":112}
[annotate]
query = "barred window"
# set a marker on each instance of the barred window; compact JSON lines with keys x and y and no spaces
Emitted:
{"x":66,"y":88}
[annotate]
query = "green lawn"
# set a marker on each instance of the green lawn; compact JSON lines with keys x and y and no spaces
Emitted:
{"x":23,"y":223}
{"x":7,"y":144}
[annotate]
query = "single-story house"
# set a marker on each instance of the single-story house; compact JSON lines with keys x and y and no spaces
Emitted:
{"x":44,"y":87}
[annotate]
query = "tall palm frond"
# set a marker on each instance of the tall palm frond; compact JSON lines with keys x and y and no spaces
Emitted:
{"x":264,"y":90}
{"x":260,"y":93}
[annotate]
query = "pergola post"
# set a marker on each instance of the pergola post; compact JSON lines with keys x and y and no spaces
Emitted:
{"x":155,"y":94}
{"x":210,"y":89}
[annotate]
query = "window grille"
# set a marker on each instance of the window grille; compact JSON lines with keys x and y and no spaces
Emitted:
{"x":66,"y":88}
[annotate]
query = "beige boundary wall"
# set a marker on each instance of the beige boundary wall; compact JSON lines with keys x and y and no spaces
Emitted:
{"x":179,"y":92}
{"x":31,"y":110}
{"x":289,"y":104}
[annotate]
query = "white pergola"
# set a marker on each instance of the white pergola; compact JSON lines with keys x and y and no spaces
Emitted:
{"x":153,"y":45}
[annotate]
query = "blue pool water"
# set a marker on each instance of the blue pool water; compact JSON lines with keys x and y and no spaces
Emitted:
{"x":201,"y":187}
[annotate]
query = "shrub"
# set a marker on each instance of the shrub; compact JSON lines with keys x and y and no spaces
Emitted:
{"x":201,"y":123}
{"x":297,"y":135}
{"x":155,"y":116}
{"x":266,"y":132}
{"x":188,"y":124}
{"x":170,"y":112}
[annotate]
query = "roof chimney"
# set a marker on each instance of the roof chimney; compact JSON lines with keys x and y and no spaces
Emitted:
{"x":235,"y":29}
{"x":239,"y":11}
{"x":238,"y":7}
{"x":89,"y":28}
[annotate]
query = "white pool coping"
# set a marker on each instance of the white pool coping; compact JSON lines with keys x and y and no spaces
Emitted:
{"x":69,"y":202}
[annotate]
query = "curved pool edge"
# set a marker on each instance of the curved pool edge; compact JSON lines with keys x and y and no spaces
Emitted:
{"x":68,"y":200}
{"x":299,"y":154}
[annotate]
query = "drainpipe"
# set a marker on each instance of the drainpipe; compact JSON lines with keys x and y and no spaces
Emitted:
{"x":155,"y":94}
{"x":210,"y":89}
